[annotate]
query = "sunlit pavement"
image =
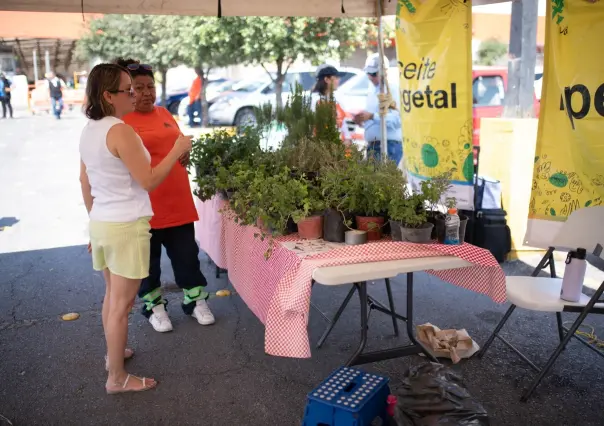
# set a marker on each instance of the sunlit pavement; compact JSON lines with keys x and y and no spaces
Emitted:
{"x":51,"y":371}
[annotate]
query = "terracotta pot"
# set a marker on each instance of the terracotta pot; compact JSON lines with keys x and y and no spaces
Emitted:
{"x":373,"y":226}
{"x":311,"y":228}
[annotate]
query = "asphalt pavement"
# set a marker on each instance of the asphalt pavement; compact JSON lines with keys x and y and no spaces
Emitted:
{"x":52,"y":371}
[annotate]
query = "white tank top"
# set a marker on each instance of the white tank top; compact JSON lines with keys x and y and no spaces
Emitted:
{"x":117,"y":196}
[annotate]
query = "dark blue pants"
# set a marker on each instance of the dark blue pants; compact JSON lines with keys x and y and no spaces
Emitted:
{"x":57,"y":106}
{"x":395,"y":151}
{"x":195,"y":107}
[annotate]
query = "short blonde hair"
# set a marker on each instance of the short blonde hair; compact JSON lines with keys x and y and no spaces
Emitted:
{"x":103,"y":78}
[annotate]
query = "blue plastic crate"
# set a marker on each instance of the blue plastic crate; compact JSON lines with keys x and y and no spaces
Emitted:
{"x":348,"y":397}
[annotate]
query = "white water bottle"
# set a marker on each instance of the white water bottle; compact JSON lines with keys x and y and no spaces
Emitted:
{"x":574,"y":274}
{"x":452,"y":227}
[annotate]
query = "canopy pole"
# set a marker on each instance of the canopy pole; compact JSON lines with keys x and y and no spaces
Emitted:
{"x":383,"y":131}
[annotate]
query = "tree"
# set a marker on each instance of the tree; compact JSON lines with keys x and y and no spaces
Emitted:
{"x":208,"y":43}
{"x":282,"y":41}
{"x":491,"y":51}
{"x":153,"y":40}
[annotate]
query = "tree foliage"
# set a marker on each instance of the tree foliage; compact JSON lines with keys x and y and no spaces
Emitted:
{"x":164,"y":41}
{"x":150,"y":39}
{"x":282,"y":41}
{"x":491,"y":51}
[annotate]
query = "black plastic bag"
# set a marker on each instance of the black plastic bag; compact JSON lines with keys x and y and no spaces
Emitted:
{"x":433,"y":395}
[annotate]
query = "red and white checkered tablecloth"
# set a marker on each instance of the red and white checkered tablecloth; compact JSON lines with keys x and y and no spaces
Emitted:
{"x":278,"y":290}
{"x":209,"y":231}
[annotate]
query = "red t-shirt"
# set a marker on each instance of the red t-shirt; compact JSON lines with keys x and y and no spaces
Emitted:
{"x":172,"y":200}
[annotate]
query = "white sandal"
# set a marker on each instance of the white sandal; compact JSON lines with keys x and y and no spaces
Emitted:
{"x":124,"y":390}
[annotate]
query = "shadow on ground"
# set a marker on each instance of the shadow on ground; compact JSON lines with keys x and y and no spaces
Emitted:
{"x":51,"y":371}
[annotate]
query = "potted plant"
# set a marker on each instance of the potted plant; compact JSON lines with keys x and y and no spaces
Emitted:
{"x":335,"y":184}
{"x":433,"y":191}
{"x":372,"y":187}
{"x":218,"y":149}
{"x":309,"y":214}
{"x":410,"y":211}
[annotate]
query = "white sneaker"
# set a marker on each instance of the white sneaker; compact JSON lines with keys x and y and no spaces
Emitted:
{"x":160,"y":320}
{"x":202,"y":313}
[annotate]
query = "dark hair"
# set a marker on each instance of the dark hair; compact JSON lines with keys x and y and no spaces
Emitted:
{"x":137,"y":72}
{"x":321,"y":87}
{"x":103,"y":78}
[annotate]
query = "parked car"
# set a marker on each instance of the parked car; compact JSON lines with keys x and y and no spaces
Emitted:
{"x":176,"y":97}
{"x":239,"y":88}
{"x":236,"y":108}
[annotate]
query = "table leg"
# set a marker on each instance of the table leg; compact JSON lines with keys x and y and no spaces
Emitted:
{"x":415,"y":348}
{"x":335,"y":319}
{"x":362,"y":289}
{"x":391,"y":304}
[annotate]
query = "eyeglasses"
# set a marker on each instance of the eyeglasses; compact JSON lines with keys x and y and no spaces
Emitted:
{"x":134,"y":67}
{"x":129,"y":92}
{"x":372,"y":74}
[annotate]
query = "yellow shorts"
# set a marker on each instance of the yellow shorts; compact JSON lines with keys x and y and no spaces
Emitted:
{"x":124,"y":248}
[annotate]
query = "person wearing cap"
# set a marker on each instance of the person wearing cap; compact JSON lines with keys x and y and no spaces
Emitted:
{"x":370,"y":118}
{"x":328,"y":80}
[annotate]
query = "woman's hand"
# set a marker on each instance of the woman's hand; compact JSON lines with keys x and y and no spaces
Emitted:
{"x":184,"y":159}
{"x":183,"y":145}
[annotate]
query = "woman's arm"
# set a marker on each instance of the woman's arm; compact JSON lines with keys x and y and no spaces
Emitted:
{"x":125,"y":144}
{"x":86,"y":190}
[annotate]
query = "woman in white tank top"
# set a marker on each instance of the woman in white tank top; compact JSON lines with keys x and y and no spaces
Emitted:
{"x":116,"y":176}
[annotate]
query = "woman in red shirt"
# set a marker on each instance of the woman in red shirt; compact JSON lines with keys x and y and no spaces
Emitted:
{"x":173,"y":208}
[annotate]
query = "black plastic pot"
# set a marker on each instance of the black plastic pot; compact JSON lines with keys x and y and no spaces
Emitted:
{"x":291,"y":226}
{"x":334,"y":227}
{"x":433,"y":219}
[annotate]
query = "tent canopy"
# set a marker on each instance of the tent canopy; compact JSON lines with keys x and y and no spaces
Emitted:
{"x":319,"y":8}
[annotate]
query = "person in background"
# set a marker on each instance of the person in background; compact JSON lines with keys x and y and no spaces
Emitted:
{"x":116,"y":175}
{"x":172,"y":225}
{"x":5,"y":96}
{"x":328,"y":81}
{"x":370,"y":118}
{"x":195,"y":98}
{"x":55,"y":86}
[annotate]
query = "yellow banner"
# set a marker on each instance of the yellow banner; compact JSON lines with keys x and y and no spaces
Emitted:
{"x":569,"y":160}
{"x":433,"y":42}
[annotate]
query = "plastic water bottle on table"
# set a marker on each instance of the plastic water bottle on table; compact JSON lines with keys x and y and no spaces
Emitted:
{"x":452,"y":223}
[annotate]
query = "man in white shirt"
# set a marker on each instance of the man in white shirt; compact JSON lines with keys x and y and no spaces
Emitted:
{"x":370,"y":118}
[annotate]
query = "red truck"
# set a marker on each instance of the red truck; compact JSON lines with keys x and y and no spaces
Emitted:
{"x":488,"y":87}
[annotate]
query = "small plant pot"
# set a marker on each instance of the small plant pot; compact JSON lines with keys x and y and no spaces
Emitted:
{"x":373,"y":226}
{"x":433,"y":218}
{"x":291,"y":227}
{"x":311,"y":228}
{"x":423,"y":234}
{"x":355,"y":237}
{"x":441,"y":229}
{"x":395,"y":230}
{"x":334,"y":226}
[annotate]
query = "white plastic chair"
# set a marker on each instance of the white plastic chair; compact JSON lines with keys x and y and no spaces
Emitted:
{"x":584,"y":228}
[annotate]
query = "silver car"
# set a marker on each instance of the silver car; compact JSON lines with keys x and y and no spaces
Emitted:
{"x":236,"y":108}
